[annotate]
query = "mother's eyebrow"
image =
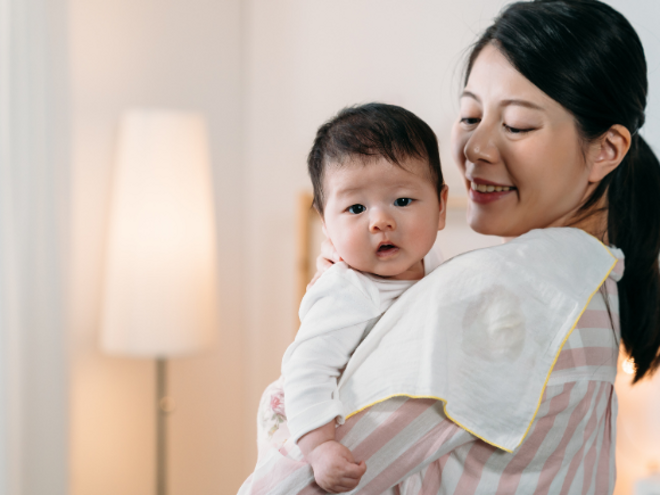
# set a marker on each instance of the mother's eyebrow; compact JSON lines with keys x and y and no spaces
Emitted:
{"x":521,"y":103}
{"x":506,"y":103}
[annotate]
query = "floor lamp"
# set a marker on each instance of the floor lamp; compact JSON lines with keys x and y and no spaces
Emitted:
{"x":160,"y":280}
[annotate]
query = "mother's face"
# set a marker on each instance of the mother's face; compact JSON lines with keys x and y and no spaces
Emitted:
{"x":519,"y":150}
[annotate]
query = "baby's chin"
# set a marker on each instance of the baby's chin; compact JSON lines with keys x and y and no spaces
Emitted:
{"x":379,"y":271}
{"x":391,"y":272}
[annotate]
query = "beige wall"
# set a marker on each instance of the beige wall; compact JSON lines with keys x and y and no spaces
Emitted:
{"x":176,"y":54}
{"x":306,"y":60}
{"x":266,"y":73}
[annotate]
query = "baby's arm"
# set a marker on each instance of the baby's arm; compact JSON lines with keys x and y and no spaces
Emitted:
{"x":335,"y":469}
{"x":334,"y":315}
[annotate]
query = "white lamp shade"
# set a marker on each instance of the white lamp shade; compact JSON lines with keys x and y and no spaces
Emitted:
{"x":160,"y":282}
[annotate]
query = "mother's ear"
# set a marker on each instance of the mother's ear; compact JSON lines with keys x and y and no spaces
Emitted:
{"x":608,"y":151}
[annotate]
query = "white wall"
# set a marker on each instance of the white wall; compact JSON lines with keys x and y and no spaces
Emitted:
{"x":644,"y":15}
{"x":305,"y":61}
{"x":638,"y":435}
{"x":267,"y":73}
{"x":170,"y":53}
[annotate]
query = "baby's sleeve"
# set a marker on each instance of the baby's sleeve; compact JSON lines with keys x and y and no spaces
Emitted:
{"x":334,"y":314}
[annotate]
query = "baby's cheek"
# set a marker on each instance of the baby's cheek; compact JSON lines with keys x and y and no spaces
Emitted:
{"x":351,"y":250}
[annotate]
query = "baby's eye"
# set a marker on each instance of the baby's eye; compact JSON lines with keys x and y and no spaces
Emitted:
{"x":356,"y":209}
{"x":402,"y":201}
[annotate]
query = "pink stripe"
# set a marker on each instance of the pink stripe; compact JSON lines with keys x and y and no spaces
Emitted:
{"x":312,"y":489}
{"x":433,"y":477}
{"x":511,"y":475}
{"x":391,"y":427}
{"x":595,"y":318}
{"x":585,"y":356}
{"x":590,"y":458}
{"x":473,"y":467}
{"x":588,"y":431}
{"x":281,"y":470}
{"x":343,"y":430}
{"x":611,"y":287}
{"x":603,"y":473}
{"x":554,"y":461}
{"x":414,"y":456}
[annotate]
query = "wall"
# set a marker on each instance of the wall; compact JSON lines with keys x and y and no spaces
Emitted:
{"x":305,"y":61}
{"x":638,"y":432}
{"x":266,"y":73}
{"x":175,"y":54}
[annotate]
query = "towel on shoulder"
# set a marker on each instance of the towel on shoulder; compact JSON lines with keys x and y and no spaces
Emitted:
{"x":482,"y":332}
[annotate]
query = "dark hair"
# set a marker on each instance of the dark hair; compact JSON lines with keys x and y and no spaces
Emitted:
{"x":371,"y":131}
{"x":586,"y":56}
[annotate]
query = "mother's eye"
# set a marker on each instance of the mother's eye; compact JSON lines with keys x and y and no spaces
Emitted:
{"x":355,"y":209}
{"x":470,"y":120}
{"x":516,"y":130}
{"x":402,"y":201}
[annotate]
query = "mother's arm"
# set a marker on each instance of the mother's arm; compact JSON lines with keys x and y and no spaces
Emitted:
{"x":399,"y":437}
{"x":396,"y":438}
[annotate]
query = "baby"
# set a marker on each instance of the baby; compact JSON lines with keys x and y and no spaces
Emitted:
{"x":379,"y":190}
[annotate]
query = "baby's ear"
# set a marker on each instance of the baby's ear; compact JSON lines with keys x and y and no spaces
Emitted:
{"x":443,"y":207}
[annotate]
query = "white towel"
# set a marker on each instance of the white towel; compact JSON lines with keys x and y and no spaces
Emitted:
{"x":482,"y":332}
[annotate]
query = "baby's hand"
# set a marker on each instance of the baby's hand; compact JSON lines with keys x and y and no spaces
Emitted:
{"x":335,"y":469}
{"x":325,"y":260}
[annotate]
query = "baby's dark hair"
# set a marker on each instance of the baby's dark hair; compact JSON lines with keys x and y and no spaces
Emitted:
{"x":370,"y":131}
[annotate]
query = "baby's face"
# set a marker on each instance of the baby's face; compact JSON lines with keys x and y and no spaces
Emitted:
{"x":381,"y":218}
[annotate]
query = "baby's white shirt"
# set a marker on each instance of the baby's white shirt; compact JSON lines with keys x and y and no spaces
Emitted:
{"x":336,"y":314}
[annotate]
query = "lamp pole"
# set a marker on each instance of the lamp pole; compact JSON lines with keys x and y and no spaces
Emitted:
{"x":161,"y":426}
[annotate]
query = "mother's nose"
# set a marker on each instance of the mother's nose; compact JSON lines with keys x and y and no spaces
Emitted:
{"x":381,"y":221}
{"x":480,"y":146}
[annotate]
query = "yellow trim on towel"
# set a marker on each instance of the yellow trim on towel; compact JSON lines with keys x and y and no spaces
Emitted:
{"x":538,"y":405}
{"x":554,"y":362}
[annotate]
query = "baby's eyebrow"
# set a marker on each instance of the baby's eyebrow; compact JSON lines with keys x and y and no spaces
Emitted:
{"x":348,"y":190}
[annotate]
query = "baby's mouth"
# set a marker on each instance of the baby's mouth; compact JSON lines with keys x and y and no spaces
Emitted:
{"x":386,"y":249}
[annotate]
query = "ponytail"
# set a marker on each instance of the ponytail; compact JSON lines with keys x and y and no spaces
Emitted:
{"x":634,"y":227}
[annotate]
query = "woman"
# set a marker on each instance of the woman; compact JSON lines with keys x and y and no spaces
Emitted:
{"x":554,"y":97}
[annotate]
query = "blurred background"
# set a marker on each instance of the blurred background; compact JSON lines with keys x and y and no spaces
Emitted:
{"x":264,"y":74}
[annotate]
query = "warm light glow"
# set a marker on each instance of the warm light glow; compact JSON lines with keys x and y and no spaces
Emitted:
{"x":160,"y":284}
{"x":628,"y":366}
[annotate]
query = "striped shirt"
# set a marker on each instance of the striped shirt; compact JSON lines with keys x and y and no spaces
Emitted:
{"x":410,"y":447}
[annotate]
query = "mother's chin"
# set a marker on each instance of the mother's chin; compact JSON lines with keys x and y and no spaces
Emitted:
{"x":507,"y":218}
{"x":499,"y":219}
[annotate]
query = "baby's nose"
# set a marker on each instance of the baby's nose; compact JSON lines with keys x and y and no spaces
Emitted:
{"x":381,"y":222}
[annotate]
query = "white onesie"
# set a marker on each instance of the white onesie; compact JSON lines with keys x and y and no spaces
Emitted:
{"x":336,"y":314}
